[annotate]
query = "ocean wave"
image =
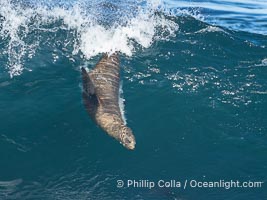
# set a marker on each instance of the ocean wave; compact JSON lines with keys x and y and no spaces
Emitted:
{"x":242,"y":15}
{"x":24,"y":30}
{"x":177,"y":49}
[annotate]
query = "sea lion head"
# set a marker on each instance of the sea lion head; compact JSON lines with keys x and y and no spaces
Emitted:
{"x":127,"y":138}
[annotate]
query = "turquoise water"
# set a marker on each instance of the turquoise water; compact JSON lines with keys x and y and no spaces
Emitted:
{"x":195,"y":94}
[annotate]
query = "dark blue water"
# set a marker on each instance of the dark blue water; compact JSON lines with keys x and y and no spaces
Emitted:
{"x":195,"y":91}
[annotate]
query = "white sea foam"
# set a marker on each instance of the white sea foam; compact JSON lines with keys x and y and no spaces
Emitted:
{"x":121,"y":104}
{"x":90,"y":36}
{"x":263,"y":63}
{"x":211,"y":29}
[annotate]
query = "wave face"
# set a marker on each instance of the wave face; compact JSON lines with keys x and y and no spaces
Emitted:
{"x":194,"y":88}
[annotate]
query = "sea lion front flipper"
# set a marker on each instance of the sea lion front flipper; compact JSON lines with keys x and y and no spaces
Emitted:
{"x":90,"y":99}
{"x":88,"y":85}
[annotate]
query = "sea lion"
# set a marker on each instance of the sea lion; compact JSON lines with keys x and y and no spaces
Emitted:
{"x":101,"y":99}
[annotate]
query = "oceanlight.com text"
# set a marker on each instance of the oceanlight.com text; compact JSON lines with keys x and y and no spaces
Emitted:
{"x":131,"y":183}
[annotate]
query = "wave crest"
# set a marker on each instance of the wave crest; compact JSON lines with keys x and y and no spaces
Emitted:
{"x":93,"y":30}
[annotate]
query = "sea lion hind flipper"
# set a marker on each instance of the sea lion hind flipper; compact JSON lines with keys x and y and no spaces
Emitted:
{"x":88,"y":85}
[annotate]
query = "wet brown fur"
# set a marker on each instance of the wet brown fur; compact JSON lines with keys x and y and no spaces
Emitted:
{"x":101,"y":95}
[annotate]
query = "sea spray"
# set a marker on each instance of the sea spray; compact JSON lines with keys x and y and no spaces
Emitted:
{"x":24,"y":27}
